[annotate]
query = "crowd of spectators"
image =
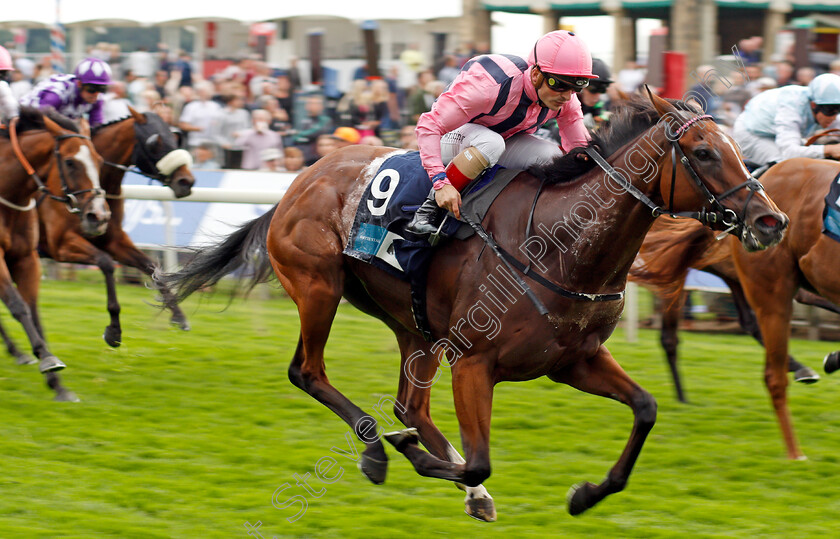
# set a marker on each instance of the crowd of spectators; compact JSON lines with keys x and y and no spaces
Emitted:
{"x":727,"y":85}
{"x":252,"y":115}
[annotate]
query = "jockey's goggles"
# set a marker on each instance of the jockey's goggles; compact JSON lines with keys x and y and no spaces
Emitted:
{"x":597,"y":86}
{"x":562,"y":83}
{"x":95,"y":88}
{"x":828,"y":110}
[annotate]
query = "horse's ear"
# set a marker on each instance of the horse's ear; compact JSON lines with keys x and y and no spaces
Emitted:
{"x":139,"y":118}
{"x":84,"y":127}
{"x":53,"y":127}
{"x":622,"y":95}
{"x":694,"y":105}
{"x":661,"y":106}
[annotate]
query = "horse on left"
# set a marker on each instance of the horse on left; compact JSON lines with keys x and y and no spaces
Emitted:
{"x":42,"y":145}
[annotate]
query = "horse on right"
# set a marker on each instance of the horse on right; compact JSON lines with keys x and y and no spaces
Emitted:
{"x":800,"y":267}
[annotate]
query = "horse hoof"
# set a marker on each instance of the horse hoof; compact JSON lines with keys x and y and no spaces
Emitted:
{"x":375,"y":470}
{"x":481,"y":509}
{"x":113,"y":337}
{"x":66,"y":396}
{"x":50,"y":364}
{"x":25,"y":359}
{"x":805,"y":375}
{"x":181,"y":322}
{"x":402,"y":438}
{"x":831,"y":362}
{"x":577,"y":498}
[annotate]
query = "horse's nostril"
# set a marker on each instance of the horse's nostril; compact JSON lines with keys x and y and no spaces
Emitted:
{"x":769,"y":221}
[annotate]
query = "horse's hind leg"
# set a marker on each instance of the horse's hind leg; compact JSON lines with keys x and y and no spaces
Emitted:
{"x":412,"y":408}
{"x":601,"y":375}
{"x":749,"y":323}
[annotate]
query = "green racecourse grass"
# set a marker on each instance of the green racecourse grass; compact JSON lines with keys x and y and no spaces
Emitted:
{"x":189,"y":434}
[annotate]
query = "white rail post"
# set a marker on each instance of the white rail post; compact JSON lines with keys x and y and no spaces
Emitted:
{"x":631,"y":313}
{"x":170,"y":255}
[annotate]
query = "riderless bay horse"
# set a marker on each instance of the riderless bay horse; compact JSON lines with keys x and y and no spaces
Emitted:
{"x":670,"y":248}
{"x":587,"y":233}
{"x":145,"y":141}
{"x":42,"y":145}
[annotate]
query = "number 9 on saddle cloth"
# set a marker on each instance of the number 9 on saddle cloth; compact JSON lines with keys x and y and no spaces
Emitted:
{"x":396,"y":190}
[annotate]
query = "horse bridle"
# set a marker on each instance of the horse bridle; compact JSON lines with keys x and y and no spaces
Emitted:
{"x":70,"y":198}
{"x":141,"y":149}
{"x":719,"y":218}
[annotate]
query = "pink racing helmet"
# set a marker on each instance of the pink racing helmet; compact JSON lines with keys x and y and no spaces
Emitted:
{"x":565,"y":56}
{"x":6,"y":60}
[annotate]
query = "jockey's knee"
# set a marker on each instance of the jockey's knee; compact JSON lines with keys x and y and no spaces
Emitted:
{"x":491,"y":145}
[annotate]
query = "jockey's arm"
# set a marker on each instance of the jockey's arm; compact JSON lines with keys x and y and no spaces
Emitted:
{"x":48,"y":99}
{"x":573,"y":132}
{"x":789,"y":126}
{"x":469,"y":96}
{"x":8,"y":105}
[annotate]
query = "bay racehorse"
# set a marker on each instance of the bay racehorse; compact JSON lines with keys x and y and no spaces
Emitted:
{"x":49,"y":146}
{"x":587,"y":233}
{"x":142,"y":140}
{"x":670,"y":249}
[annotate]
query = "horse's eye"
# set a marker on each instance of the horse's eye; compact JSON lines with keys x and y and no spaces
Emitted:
{"x":70,"y":163}
{"x":703,"y":155}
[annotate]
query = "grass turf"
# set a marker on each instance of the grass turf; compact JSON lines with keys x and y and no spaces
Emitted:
{"x":189,"y":435}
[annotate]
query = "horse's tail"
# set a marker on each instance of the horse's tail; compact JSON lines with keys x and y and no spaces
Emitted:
{"x":670,"y":249}
{"x":244,"y":250}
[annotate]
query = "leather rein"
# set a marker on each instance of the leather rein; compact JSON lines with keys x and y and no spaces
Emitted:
{"x":719,"y":216}
{"x":69,"y":198}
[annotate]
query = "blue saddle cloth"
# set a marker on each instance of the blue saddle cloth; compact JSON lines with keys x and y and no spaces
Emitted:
{"x":831,"y":213}
{"x":389,"y":201}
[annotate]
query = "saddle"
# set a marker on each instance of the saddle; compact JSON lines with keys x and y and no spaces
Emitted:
{"x":394,"y":193}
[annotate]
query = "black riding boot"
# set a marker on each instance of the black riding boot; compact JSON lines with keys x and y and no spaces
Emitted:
{"x":427,"y":217}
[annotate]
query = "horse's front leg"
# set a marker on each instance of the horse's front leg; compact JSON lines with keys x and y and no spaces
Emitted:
{"x":669,"y":336}
{"x":601,"y":375}
{"x":125,"y":252}
{"x":412,"y":408}
{"x":26,"y":273}
{"x":20,"y":310}
{"x":472,"y":385}
{"x":78,"y":250}
{"x":21,"y":357}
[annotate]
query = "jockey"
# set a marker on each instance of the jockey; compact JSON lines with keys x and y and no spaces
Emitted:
{"x":593,"y":107}
{"x":74,"y":95}
{"x":774,"y":122}
{"x":487,"y":114}
{"x":8,"y":105}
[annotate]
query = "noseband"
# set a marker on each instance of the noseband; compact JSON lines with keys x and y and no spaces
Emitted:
{"x":719,"y":218}
{"x":141,"y":155}
{"x":70,"y":198}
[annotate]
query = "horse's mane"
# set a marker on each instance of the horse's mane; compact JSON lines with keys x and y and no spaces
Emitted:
{"x":32,"y":118}
{"x":671,"y":247}
{"x":95,"y":129}
{"x":633,"y":117}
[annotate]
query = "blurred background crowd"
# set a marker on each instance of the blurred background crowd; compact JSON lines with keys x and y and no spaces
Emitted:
{"x":255,"y":116}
